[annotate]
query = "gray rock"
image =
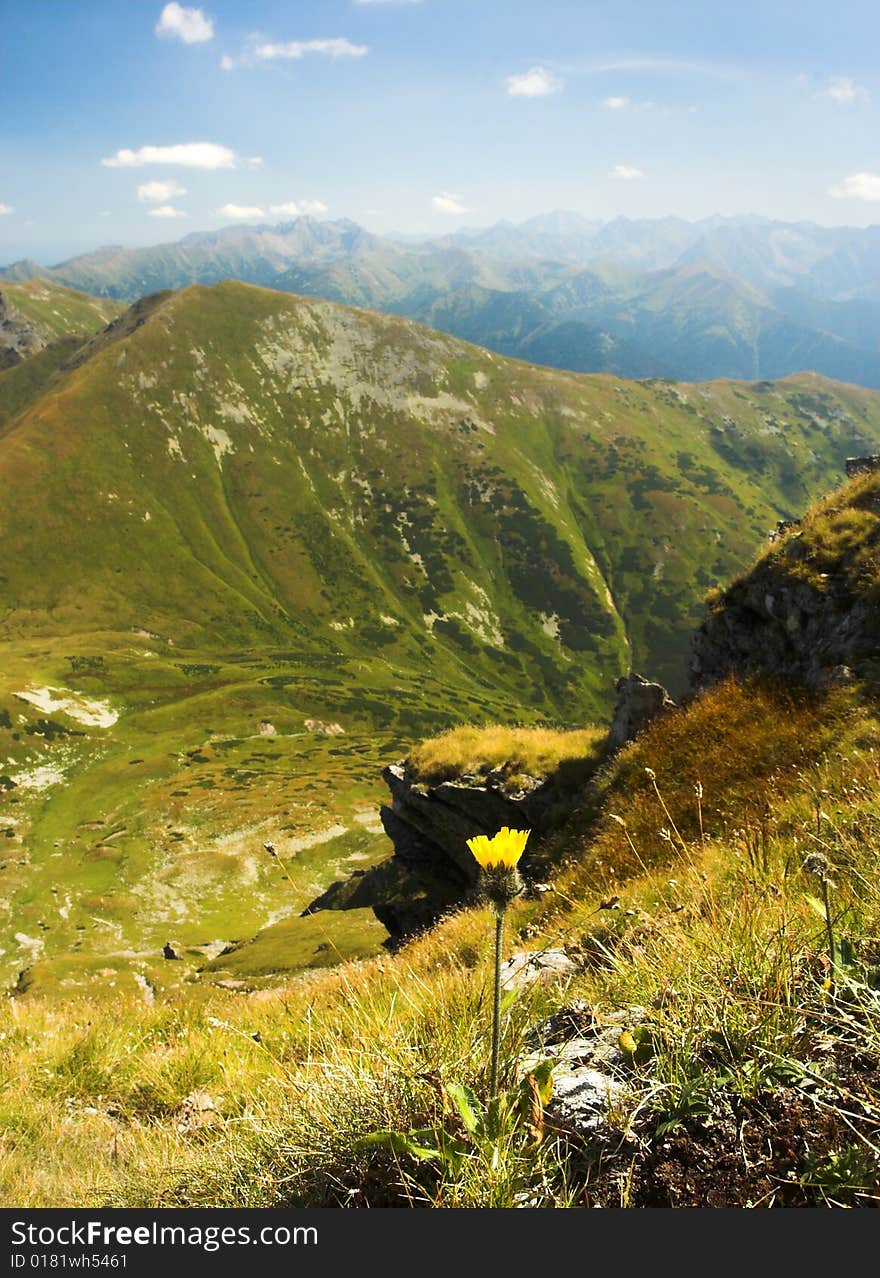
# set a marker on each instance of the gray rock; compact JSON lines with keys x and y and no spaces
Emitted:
{"x":530,"y":966}
{"x":19,"y":337}
{"x":587,"y":1060}
{"x":581,"y":1099}
{"x":638,"y":702}
{"x":429,"y":826}
{"x":575,"y":1036}
{"x":818,"y":633}
{"x":395,"y":895}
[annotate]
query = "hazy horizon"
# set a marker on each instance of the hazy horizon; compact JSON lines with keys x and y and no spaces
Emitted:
{"x":404,"y":237}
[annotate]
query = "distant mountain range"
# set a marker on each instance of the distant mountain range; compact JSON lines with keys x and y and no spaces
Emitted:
{"x":723,"y":297}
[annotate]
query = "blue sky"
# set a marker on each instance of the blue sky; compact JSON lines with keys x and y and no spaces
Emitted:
{"x":135,"y":122}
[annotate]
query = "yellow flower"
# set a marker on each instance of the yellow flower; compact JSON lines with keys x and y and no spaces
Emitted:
{"x":504,"y":849}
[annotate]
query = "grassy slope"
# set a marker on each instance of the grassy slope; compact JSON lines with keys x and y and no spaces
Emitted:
{"x":250,"y":509}
{"x":755,"y":1085}
{"x":23,"y":383}
{"x":58,"y":311}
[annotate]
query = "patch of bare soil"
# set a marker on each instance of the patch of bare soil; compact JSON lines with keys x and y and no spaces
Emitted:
{"x":786,"y":1147}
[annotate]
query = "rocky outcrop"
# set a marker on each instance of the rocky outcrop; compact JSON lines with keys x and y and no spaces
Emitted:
{"x":638,"y":702}
{"x":19,"y":338}
{"x":590,"y":1067}
{"x":432,"y":869}
{"x":807,"y":612}
{"x":862,"y":465}
{"x":770,"y":625}
{"x":401,"y":902}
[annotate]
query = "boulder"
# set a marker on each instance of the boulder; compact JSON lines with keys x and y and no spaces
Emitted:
{"x":581,"y":1099}
{"x":638,"y":702}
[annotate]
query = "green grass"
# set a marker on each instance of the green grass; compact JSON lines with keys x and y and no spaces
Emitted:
{"x":319,"y":573}
{"x":60,"y":312}
{"x":394,"y":532}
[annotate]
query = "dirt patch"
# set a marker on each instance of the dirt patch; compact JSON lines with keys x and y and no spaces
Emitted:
{"x":780,"y":1149}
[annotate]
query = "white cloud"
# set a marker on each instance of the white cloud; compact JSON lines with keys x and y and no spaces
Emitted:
{"x":245,"y":211}
{"x":844,"y":91}
{"x":159,"y":192}
{"x":447,"y":202}
{"x":295,"y":49}
{"x":167,"y":210}
{"x":256,"y":52}
{"x":189,"y":25}
{"x":296,"y":208}
{"x":537,"y":82}
{"x":254,"y":162}
{"x":858,"y":186}
{"x":625,"y":171}
{"x":616,"y":104}
{"x":6,"y":208}
{"x":193,"y":155}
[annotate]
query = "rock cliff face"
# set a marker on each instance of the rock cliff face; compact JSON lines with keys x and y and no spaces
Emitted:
{"x":432,"y":870}
{"x":638,"y":702}
{"x":809,"y":611}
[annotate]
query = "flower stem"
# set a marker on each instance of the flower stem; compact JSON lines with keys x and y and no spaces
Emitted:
{"x":496,"y":1012}
{"x":829,"y":926}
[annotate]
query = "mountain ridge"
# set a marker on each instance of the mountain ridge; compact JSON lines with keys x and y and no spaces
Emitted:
{"x":812,"y":292}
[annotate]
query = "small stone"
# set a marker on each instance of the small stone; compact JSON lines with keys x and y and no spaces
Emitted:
{"x":581,"y":1099}
{"x":535,"y":965}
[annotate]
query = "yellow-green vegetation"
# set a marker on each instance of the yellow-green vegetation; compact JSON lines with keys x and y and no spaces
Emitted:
{"x":276,"y":541}
{"x":837,"y":542}
{"x":754,"y":1070}
{"x":59,"y":312}
{"x":515,"y":753}
{"x":739,"y":749}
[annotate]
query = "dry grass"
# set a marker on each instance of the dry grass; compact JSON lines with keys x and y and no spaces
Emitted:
{"x":515,"y":752}
{"x":735,"y":752}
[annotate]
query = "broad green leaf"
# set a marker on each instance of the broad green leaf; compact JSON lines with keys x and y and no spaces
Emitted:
{"x":399,"y":1143}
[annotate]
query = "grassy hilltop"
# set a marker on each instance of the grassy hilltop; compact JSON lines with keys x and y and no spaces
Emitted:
{"x":59,"y":312}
